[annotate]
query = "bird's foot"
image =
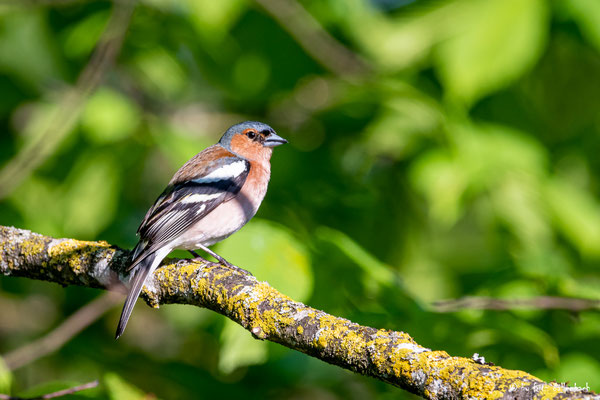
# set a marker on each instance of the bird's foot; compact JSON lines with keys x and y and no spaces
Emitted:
{"x":182,"y":262}
{"x":238,"y":269}
{"x":221,"y":262}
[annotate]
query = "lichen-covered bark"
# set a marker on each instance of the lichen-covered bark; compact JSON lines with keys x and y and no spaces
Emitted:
{"x":393,"y":357}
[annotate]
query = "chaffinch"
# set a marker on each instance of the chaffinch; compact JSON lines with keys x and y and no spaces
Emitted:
{"x":209,"y":198}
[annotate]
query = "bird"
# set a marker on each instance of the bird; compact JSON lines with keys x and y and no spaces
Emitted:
{"x":209,"y":198}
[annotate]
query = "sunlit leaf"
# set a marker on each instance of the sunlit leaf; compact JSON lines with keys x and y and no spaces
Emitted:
{"x":579,"y":369}
{"x":371,"y":266}
{"x":5,"y":378}
{"x":497,"y":42}
{"x":239,"y":348}
{"x":587,"y":15}
{"x":160,"y":73}
{"x":213,"y":19}
{"x":251,"y":73}
{"x":443,"y":182}
{"x":533,"y":337}
{"x":403,"y":123}
{"x":425,"y":278}
{"x":90,"y":195}
{"x":84,"y":35}
{"x":272,"y":254}
{"x":404,"y":41}
{"x":26,"y":49}
{"x":577,"y":215}
{"x":483,"y":158}
{"x":587,"y":286}
{"x":119,"y":389}
{"x":109,"y":116}
{"x":39,"y":201}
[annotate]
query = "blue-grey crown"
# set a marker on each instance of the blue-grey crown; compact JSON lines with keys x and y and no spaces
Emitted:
{"x":242,"y":126}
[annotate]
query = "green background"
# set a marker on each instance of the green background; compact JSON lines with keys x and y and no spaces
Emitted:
{"x":438,"y":149}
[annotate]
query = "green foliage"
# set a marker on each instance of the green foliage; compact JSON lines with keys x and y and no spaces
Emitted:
{"x":119,"y":389}
{"x":6,"y":378}
{"x":494,"y":43}
{"x":461,"y":162}
{"x":109,"y":117}
{"x":263,"y":247}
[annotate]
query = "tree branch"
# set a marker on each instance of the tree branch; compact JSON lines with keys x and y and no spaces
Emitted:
{"x":54,"y":395}
{"x":393,"y":357}
{"x":535,"y":303}
{"x":70,"y":327}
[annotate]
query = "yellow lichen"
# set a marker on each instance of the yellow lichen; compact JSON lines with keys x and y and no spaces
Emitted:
{"x":32,"y":247}
{"x":300,"y":330}
{"x":68,"y":252}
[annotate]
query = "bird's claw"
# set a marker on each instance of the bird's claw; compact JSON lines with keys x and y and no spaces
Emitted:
{"x":224,"y":263}
{"x":238,"y":269}
{"x":181,"y":262}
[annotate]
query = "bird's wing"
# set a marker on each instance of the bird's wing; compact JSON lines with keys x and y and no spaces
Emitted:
{"x":185,"y":202}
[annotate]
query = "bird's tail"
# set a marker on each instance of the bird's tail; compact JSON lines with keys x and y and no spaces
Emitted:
{"x":143,"y":268}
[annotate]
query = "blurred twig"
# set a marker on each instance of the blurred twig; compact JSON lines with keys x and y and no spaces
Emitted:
{"x":534,"y":303}
{"x":30,"y":3}
{"x":54,"y":340}
{"x":54,"y":395}
{"x":311,"y":36}
{"x":71,"y":105}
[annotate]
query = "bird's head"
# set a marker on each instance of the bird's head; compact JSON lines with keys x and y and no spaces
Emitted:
{"x":251,"y":140}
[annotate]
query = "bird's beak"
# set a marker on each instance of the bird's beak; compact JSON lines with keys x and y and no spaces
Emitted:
{"x":274,"y":140}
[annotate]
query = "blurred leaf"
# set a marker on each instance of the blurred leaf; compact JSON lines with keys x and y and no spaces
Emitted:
{"x":518,"y":202}
{"x":39,"y":203}
{"x":90,"y":195}
{"x":251,"y":73}
{"x":26,"y":49}
{"x":239,"y":348}
{"x":482,"y":158}
{"x":443,"y":182}
{"x":81,"y":38}
{"x":404,"y":121}
{"x":541,"y":259}
{"x":34,"y":120}
{"x":5,"y":378}
{"x":119,"y":389}
{"x":425,"y":278}
{"x":577,"y":215}
{"x":179,"y":145}
{"x":498,"y":41}
{"x":587,"y":15}
{"x":272,"y":253}
{"x":109,"y":117}
{"x":587,"y":287}
{"x":520,"y":289}
{"x":402,"y":42}
{"x":532,"y":337}
{"x":214,"y":19}
{"x":374,"y":269}
{"x":579,"y":369}
{"x":160,"y":73}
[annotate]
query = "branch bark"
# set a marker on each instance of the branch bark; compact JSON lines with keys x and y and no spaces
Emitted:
{"x":392,"y":357}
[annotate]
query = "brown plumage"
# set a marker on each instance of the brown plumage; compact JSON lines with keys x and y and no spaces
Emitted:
{"x":208,"y":199}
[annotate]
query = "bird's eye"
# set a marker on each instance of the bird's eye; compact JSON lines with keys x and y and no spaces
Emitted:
{"x":251,"y":134}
